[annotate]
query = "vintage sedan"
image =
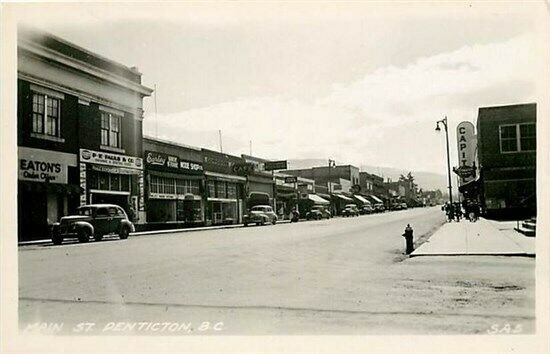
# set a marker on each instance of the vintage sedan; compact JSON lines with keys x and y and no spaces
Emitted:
{"x":259,"y":215}
{"x":94,"y":220}
{"x":350,"y":210}
{"x":318,"y":212}
{"x":366,"y":209}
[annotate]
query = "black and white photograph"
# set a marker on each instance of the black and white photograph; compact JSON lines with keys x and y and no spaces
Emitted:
{"x":366,"y":176}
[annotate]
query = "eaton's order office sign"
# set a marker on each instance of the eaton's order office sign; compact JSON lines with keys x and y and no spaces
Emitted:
{"x":109,"y":159}
{"x":37,"y":165}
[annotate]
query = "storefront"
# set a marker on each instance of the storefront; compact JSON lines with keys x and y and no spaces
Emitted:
{"x":47,"y":190}
{"x":114,"y":179}
{"x":173,"y":189}
{"x":224,"y":188}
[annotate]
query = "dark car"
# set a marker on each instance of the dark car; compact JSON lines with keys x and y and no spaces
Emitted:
{"x":318,"y":213}
{"x":366,"y":209}
{"x":350,"y":210}
{"x":259,"y":215}
{"x":94,"y":220}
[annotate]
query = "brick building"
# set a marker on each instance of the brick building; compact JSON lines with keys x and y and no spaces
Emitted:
{"x":507,"y":157}
{"x":79,"y":119}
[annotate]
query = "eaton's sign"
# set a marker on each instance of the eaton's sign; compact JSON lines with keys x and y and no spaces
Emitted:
{"x":37,"y":165}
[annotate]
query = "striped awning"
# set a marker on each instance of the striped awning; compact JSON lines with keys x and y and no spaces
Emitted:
{"x":317,"y":200}
{"x":361,"y":199}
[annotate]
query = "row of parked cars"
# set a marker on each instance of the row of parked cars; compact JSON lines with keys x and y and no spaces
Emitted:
{"x":97,"y":220}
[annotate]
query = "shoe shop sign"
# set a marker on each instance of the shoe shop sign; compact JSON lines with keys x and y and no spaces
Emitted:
{"x":37,"y":165}
{"x":110,"y":159}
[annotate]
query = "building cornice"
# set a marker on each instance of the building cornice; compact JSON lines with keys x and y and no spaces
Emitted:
{"x":51,"y":55}
{"x":83,"y":98}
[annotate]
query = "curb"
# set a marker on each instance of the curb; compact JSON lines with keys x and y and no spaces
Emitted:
{"x":157,"y":232}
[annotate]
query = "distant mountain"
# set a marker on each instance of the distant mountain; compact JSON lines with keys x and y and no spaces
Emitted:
{"x":425,"y":180}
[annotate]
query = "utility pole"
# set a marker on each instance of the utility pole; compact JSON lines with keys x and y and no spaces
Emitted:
{"x":221,"y":146}
{"x":444,"y":122}
{"x":250,"y":146}
{"x":156,"y":118}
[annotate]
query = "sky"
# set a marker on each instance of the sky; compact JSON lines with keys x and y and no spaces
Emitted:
{"x":360,"y":83}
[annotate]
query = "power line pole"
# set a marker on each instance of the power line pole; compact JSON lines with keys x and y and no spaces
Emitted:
{"x":221,"y":146}
{"x":156,"y":117}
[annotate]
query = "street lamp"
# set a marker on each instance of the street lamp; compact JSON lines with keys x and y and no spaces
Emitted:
{"x":437,"y":129}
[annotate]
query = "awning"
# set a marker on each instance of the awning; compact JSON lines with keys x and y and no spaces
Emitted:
{"x":361,"y":199}
{"x":40,"y":187}
{"x":322,"y":195}
{"x":343,"y":197}
{"x":376,"y":199}
{"x":317,"y":200}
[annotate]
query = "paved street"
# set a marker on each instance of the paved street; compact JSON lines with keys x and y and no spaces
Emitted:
{"x":339,"y":276}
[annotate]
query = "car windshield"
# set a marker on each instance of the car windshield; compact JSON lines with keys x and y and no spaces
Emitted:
{"x":85,"y":211}
{"x":258,"y":209}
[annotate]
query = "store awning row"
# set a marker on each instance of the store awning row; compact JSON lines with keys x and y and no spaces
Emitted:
{"x":317,"y":200}
{"x":361,"y":199}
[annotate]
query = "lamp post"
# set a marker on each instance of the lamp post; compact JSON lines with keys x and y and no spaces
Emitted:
{"x":331,"y":164}
{"x":437,"y":129}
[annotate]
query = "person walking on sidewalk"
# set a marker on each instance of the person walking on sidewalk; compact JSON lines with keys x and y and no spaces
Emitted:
{"x":458,"y":212}
{"x":450,"y":212}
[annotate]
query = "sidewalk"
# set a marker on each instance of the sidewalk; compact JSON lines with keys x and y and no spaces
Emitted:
{"x":157,"y":232}
{"x":483,"y":237}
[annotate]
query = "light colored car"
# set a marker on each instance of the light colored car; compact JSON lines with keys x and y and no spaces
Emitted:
{"x":94,"y":220}
{"x":259,"y":215}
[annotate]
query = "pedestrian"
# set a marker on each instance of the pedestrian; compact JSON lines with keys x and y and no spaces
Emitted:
{"x":458,"y":212}
{"x":450,"y":212}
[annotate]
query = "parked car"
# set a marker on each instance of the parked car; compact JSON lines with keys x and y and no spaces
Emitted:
{"x":318,"y":212}
{"x":350,"y":210}
{"x":366,"y":209}
{"x":396,"y":206}
{"x":93,"y":220}
{"x":404,"y":206}
{"x":259,"y":215}
{"x":379,"y":208}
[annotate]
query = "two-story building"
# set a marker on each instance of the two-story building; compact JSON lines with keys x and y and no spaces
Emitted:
{"x":507,"y":143}
{"x":79,"y":119}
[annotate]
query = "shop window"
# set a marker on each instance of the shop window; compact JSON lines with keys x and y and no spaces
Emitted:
{"x":211,"y":189}
{"x":220,"y":190}
{"x":103,"y":181}
{"x":115,"y":182}
{"x":194,"y":187}
{"x":125,"y":183}
{"x":231,"y":190}
{"x":169,"y":186}
{"x":155,"y":184}
{"x":110,"y":129}
{"x":46,"y":115}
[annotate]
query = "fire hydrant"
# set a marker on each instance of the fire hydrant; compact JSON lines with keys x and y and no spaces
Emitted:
{"x":408,"y":235}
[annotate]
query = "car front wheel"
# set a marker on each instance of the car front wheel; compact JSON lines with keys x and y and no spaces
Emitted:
{"x":124,"y":232}
{"x":83,"y":235}
{"x":57,"y":239}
